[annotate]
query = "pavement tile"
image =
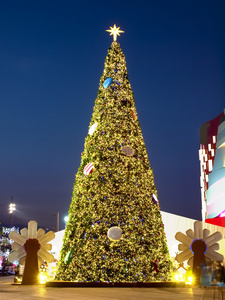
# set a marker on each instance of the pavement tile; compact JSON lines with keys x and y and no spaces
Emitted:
{"x":22,"y":292}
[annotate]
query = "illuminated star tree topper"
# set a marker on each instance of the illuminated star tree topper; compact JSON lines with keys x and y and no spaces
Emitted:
{"x":115,"y":31}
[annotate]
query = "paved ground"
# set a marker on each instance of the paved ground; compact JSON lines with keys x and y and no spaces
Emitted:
{"x":20,"y":292}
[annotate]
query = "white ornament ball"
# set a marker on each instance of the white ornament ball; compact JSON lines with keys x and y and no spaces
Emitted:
{"x":92,"y":128}
{"x":114,"y":233}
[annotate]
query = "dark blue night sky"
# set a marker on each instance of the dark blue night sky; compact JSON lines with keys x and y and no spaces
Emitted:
{"x":52,"y":55}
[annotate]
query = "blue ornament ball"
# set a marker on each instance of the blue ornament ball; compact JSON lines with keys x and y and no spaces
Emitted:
{"x":107,"y":82}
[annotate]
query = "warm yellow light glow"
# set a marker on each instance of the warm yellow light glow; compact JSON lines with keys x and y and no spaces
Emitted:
{"x":42,"y":278}
{"x":17,"y":279}
{"x":176,"y":276}
{"x":189,"y":280}
{"x":115,"y":31}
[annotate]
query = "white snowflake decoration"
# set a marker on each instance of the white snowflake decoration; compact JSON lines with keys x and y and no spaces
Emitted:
{"x":198,"y":234}
{"x":43,"y":238}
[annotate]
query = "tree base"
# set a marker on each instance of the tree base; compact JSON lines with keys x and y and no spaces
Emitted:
{"x":153,"y":284}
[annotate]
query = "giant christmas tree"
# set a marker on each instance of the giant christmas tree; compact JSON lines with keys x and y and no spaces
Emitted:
{"x":114,"y":193}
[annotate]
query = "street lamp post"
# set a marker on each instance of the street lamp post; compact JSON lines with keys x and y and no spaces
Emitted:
{"x":57,"y":221}
{"x":12,"y":208}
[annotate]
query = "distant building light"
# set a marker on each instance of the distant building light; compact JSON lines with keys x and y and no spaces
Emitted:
{"x":210,"y":165}
{"x":200,"y":154}
{"x":222,"y":214}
